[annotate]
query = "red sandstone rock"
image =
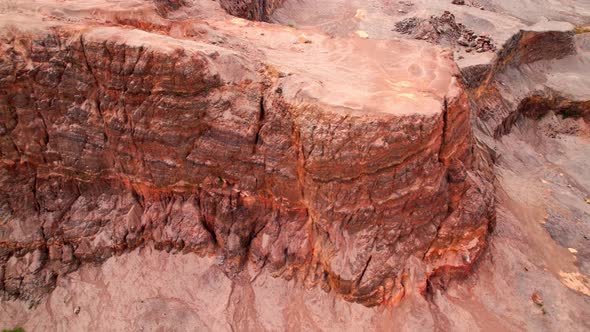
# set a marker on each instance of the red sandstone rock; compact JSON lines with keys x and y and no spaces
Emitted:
{"x":537,"y":299}
{"x":113,"y":138}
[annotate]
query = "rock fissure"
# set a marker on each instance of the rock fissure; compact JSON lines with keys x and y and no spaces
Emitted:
{"x":257,"y":140}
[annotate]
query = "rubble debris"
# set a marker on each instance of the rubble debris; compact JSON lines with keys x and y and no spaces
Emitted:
{"x":445,"y":30}
{"x":407,"y":25}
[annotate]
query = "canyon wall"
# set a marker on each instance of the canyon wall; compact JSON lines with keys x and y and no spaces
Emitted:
{"x":113,"y":138}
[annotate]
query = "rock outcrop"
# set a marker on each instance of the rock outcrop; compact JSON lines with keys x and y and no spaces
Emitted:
{"x":257,"y":10}
{"x":541,"y":69}
{"x":113,"y":138}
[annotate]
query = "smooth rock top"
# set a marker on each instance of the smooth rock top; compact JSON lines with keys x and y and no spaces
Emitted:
{"x":398,"y":77}
{"x":393,"y":77}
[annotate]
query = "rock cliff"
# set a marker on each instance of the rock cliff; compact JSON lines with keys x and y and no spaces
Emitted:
{"x":116,"y":136}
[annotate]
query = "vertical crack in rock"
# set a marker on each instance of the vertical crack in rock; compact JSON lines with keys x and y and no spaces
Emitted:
{"x":261,"y":112}
{"x":360,"y":278}
{"x":441,"y":160}
{"x":209,"y":227}
{"x":444,"y":130}
{"x":300,"y":160}
{"x":86,"y":62}
{"x":34,"y":189}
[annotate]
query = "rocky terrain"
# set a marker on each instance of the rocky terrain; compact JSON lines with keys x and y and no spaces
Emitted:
{"x":294,"y":165}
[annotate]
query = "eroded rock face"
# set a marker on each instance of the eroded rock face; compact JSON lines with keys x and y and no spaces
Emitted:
{"x":114,"y":138}
{"x":540,"y":69}
{"x":257,"y":10}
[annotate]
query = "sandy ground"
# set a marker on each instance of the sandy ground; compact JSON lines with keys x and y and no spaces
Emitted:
{"x":375,"y":19}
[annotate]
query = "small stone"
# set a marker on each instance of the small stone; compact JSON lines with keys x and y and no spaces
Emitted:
{"x":468,"y":50}
{"x":462,"y":42}
{"x":77,"y":310}
{"x":479,"y":50}
{"x":537,"y":299}
{"x":572,"y":250}
{"x":458,"y":2}
{"x":362,"y":34}
{"x":303,"y":40}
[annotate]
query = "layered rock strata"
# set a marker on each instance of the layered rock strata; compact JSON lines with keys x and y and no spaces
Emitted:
{"x":341,"y":177}
{"x":543,"y":68}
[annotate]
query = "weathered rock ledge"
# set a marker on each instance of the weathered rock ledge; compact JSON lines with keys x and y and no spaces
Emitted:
{"x":541,"y":69}
{"x":342,"y":177}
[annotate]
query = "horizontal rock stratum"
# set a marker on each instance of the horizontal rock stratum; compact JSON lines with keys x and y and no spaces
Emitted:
{"x":342,"y":163}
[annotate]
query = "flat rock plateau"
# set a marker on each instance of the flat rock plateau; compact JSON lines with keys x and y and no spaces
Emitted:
{"x":295,"y":165}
